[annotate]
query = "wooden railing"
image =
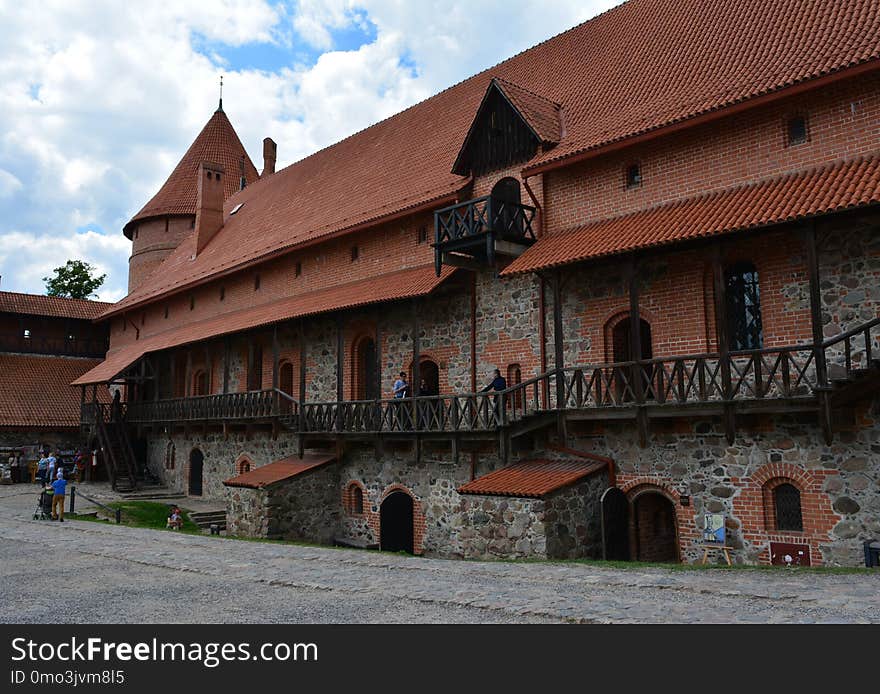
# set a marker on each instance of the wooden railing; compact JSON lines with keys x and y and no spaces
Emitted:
{"x":506,"y":220}
{"x":257,"y":404}
{"x":796,"y":372}
{"x":65,"y":346}
{"x":471,"y":412}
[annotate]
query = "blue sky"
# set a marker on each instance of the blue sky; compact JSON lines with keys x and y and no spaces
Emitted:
{"x":101,"y":99}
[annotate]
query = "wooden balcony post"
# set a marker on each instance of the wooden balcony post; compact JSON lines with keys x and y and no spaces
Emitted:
{"x":635,"y":350}
{"x":173,"y":371}
{"x":417,"y":356}
{"x":818,"y":336}
{"x":275,"y":369}
{"x":340,"y":359}
{"x":226,"y":364}
{"x":378,"y":360}
{"x":187,"y":386}
{"x":559,"y":356}
{"x":723,"y":338}
{"x":301,"y":419}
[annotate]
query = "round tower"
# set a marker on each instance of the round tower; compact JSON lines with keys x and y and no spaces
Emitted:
{"x":169,"y":217}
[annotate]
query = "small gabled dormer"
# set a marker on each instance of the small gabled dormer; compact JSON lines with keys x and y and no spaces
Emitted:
{"x":511,"y":126}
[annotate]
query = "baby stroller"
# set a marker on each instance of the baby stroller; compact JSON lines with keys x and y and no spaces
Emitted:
{"x":44,"y":505}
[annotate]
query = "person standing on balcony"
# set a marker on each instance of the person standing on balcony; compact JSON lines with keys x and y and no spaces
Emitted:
{"x":498,"y":383}
{"x":400,"y":390}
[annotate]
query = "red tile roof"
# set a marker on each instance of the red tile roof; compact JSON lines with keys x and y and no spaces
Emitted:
{"x":217,"y":143}
{"x":35,"y":390}
{"x":838,"y":186}
{"x":278,"y":471}
{"x":392,"y":286}
{"x":53,"y":306}
{"x":641,"y":66}
{"x":533,"y":478}
{"x":540,"y":113}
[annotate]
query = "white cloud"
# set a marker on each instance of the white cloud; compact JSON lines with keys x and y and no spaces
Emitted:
{"x":100,"y":99}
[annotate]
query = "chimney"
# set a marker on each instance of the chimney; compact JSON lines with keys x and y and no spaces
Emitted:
{"x":209,"y":204}
{"x":269,"y":151}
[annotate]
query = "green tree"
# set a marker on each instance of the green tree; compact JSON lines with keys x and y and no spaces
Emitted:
{"x":75,"y":280}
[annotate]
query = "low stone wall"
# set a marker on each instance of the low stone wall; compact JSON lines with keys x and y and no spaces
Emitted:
{"x":305,"y":507}
{"x":247,"y":512}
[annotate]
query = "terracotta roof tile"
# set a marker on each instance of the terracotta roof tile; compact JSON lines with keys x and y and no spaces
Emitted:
{"x":35,"y":390}
{"x":540,"y":113}
{"x":532,"y":478}
{"x":217,"y":143}
{"x":53,"y":306}
{"x":636,"y":68}
{"x":418,"y":281}
{"x":278,"y":471}
{"x":830,"y":188}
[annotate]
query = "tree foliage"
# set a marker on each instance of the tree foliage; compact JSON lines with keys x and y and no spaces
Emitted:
{"x":75,"y":279}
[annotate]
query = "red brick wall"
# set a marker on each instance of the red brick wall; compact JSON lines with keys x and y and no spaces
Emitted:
{"x":744,"y":147}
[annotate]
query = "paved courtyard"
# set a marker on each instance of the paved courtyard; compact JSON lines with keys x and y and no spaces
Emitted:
{"x":90,"y":572}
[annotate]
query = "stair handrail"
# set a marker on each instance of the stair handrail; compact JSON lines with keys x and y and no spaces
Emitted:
{"x":852,"y":332}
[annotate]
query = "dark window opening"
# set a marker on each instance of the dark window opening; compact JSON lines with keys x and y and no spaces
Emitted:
{"x":355,"y":500}
{"x":255,"y":373}
{"x":222,"y":293}
{"x":797,"y":130}
{"x":787,"y":504}
{"x":633,"y":176}
{"x":744,"y":307}
{"x":256,"y":282}
{"x":355,"y":253}
{"x":423,"y":234}
{"x":192,"y":224}
{"x":143,"y":318}
{"x":166,"y":312}
{"x":297,"y":269}
{"x":166,"y":226}
{"x":192,"y":303}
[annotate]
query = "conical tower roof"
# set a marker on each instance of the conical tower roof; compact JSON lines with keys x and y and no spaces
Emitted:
{"x":217,"y":143}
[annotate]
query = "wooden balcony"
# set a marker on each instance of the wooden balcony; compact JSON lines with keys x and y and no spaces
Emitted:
{"x":61,"y":346}
{"x":797,"y":378}
{"x":471,"y":234}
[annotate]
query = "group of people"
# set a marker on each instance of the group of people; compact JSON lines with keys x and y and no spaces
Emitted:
{"x":401,"y":390}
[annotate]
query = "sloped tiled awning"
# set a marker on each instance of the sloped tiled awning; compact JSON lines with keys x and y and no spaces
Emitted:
{"x":404,"y":284}
{"x":832,"y":188}
{"x":533,"y":478}
{"x":34,"y":391}
{"x":279,"y":471}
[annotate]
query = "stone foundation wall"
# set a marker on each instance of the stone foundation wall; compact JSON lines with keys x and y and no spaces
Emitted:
{"x":305,"y":507}
{"x":839,"y":484}
{"x":247,"y":512}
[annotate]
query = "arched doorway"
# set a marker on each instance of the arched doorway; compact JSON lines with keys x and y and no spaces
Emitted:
{"x":429,"y":372}
{"x":615,"y":525}
{"x":396,"y":523}
{"x":196,"y":460}
{"x":200,"y":382}
{"x":366,"y":381}
{"x":654,"y":529}
{"x":621,"y":351}
{"x":507,"y":198}
{"x":285,"y":384}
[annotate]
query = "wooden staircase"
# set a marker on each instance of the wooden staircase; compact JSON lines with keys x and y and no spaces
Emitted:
{"x":118,"y":454}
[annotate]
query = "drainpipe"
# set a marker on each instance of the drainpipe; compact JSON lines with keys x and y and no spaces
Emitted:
{"x":539,"y":214}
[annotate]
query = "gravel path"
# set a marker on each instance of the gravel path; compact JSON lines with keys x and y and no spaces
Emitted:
{"x":108,"y":573}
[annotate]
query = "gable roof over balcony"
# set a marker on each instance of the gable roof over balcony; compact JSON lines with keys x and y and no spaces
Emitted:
{"x":637,"y":69}
{"x":538,"y":115}
{"x":217,"y":142}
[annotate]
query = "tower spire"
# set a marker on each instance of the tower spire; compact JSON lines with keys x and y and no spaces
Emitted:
{"x":220,"y":107}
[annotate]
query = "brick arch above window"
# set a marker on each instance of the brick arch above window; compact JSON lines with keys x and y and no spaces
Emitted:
{"x":354,"y":498}
{"x":244,"y":463}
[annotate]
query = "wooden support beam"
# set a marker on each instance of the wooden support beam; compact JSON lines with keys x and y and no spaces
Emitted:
{"x":250,"y":364}
{"x":812,"y":256}
{"x":461,"y":261}
{"x":559,"y":355}
{"x":722,"y":331}
{"x":340,"y":358}
{"x":636,"y":349}
{"x":226,"y":353}
{"x":378,"y":359}
{"x":173,"y":372}
{"x":187,"y":387}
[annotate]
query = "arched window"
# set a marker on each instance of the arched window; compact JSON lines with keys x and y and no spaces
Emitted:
{"x":354,"y":499}
{"x":787,"y":507}
{"x":244,"y":466}
{"x":169,"y":456}
{"x":506,"y":198}
{"x":743,"y":307}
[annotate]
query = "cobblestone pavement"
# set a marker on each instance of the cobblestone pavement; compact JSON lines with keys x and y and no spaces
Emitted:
{"x":90,"y":572}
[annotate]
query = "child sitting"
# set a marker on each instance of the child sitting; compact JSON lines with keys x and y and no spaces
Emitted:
{"x":175,"y":521}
